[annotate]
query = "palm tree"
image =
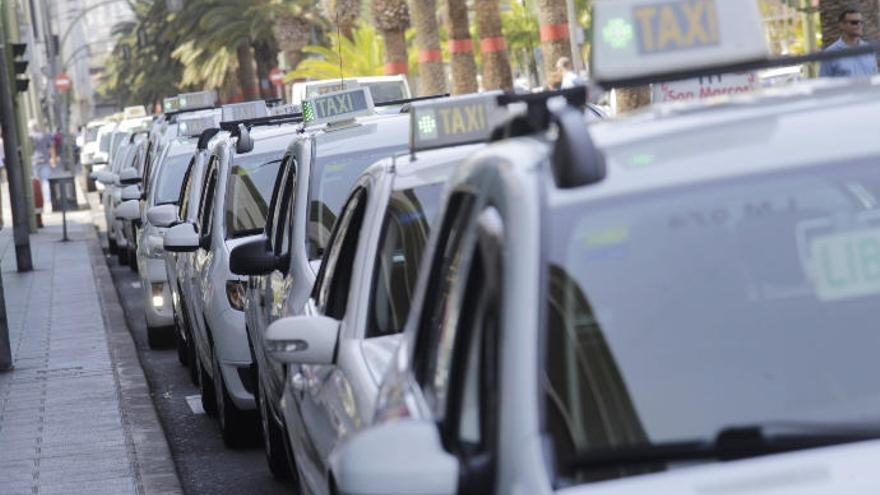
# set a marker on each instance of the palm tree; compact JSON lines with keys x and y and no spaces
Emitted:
{"x":343,"y":14}
{"x":432,"y":77}
{"x":555,"y":42}
{"x":291,"y":26}
{"x":633,"y":98}
{"x":493,"y":46}
{"x":461,"y":48}
{"x":391,"y":18}
{"x":829,"y":12}
{"x":362,"y":56}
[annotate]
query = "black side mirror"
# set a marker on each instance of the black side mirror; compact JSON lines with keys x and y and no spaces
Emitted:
{"x":253,"y":258}
{"x":245,"y":142}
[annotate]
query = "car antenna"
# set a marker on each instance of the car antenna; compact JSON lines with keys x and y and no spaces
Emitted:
{"x":339,"y":49}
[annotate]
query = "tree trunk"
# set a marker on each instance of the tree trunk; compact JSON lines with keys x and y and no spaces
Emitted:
{"x":493,"y":46}
{"x":266,"y":57}
{"x":343,"y":14}
{"x":631,"y":99}
{"x":461,"y":48}
{"x":829,"y":12}
{"x":246,"y":76}
{"x":555,"y":41}
{"x":395,"y":52}
{"x":432,"y":77}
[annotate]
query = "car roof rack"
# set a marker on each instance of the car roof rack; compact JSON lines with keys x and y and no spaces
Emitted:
{"x":404,"y":102}
{"x":206,"y":136}
{"x":232,"y":125}
{"x":171,"y":115}
{"x":537,"y":116}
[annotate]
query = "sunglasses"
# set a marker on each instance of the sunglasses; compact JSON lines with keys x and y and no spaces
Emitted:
{"x":854,"y":23}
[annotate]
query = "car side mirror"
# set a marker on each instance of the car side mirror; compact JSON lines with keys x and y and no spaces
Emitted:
{"x":105,"y":177}
{"x":128,"y":210}
{"x":129,"y":176}
{"x":303,"y":340}
{"x":404,"y":456}
{"x":131,"y":192}
{"x":163,"y":216}
{"x":182,"y":238}
{"x":253,"y":258}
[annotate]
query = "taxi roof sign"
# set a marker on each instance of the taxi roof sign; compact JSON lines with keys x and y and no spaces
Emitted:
{"x":452,"y":121}
{"x":171,"y":104}
{"x":245,"y":111}
{"x":339,"y":106}
{"x":635,"y":39}
{"x":199,"y":99}
{"x":194,"y":126}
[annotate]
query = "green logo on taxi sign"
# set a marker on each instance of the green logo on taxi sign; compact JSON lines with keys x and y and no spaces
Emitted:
{"x":618,"y":33}
{"x":308,"y":111}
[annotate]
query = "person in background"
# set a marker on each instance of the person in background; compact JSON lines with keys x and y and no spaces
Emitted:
{"x":570,"y":78}
{"x":852,"y":27}
{"x":43,"y":158}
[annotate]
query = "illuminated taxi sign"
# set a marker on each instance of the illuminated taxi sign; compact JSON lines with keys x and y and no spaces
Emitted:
{"x":451,"y":121}
{"x":337,"y":107}
{"x":641,"y":38}
{"x":194,"y":126}
{"x":171,"y":104}
{"x":245,"y":111}
{"x":200,"y":99}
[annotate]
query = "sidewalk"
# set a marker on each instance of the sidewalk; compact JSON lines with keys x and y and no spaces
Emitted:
{"x":76,"y":416}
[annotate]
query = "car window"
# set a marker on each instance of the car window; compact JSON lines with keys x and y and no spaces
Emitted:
{"x":405,"y":231}
{"x":386,"y":91}
{"x":277,"y":227}
{"x":439,"y":322}
{"x":332,"y":177}
{"x":170,"y":178}
{"x":186,"y":191}
{"x":334,"y":279}
{"x":248,"y":193}
{"x":207,"y":203}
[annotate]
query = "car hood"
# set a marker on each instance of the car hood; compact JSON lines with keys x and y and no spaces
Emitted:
{"x":850,"y":469}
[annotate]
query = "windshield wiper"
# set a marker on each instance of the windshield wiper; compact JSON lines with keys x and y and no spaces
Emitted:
{"x":730,"y":444}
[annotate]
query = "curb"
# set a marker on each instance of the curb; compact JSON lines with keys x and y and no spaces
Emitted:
{"x":155,"y":471}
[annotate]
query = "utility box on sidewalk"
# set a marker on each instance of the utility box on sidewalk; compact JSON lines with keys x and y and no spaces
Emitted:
{"x":62,"y":192}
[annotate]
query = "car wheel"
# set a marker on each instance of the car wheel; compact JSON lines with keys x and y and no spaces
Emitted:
{"x":122,"y":255}
{"x":158,"y":337}
{"x":180,"y":342}
{"x":274,"y":440}
{"x":236,"y":426}
{"x":206,"y":388}
{"x":132,"y":261}
{"x":193,"y":359}
{"x":112,"y":248}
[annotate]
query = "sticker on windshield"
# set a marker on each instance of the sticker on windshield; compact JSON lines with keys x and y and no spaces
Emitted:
{"x":846,"y":265}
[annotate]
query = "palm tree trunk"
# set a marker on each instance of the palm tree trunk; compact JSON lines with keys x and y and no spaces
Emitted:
{"x":266,"y":57}
{"x":343,"y":14}
{"x":246,"y":76}
{"x":395,"y":52}
{"x":432,"y":77}
{"x":461,"y":48}
{"x":391,"y":18}
{"x":555,"y":41}
{"x":493,"y":46}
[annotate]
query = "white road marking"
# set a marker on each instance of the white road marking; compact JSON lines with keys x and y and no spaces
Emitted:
{"x":195,"y":404}
{"x":136,"y":285}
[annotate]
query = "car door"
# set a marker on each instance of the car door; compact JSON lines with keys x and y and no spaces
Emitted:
{"x":202,"y":256}
{"x":326,"y":401}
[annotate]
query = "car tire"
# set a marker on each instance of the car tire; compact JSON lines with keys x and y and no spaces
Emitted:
{"x":112,"y":248}
{"x":122,"y":255}
{"x":132,"y":261}
{"x":274,"y":441}
{"x":236,"y":426}
{"x":180,"y":342}
{"x":193,"y":359}
{"x":206,"y":388}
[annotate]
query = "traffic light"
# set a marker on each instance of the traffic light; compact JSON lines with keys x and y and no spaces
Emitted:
{"x":19,"y":66}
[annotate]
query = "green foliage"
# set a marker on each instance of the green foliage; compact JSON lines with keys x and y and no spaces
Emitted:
{"x":362,"y":56}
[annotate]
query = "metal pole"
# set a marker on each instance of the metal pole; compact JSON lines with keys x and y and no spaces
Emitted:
{"x":5,"y":347}
{"x":13,"y":166}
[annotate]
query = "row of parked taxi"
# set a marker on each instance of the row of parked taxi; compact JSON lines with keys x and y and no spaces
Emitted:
{"x":500,"y":293}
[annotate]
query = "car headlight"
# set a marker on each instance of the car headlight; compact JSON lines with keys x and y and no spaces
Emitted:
{"x":235,"y":294}
{"x":158,"y":295}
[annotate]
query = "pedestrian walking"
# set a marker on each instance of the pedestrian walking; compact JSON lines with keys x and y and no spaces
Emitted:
{"x":43,"y":158}
{"x":570,"y":78}
{"x":852,"y":27}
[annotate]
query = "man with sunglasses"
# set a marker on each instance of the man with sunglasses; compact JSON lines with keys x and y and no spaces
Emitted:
{"x":851,"y":27}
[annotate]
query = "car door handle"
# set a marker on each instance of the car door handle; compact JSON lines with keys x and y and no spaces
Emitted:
{"x":298,"y":381}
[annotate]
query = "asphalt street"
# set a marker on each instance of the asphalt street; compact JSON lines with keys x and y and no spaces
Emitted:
{"x":204,"y":464}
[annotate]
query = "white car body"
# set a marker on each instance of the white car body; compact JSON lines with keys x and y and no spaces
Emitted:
{"x":383,"y":88}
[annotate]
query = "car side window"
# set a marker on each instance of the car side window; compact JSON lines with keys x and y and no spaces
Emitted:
{"x":279,"y":227}
{"x":440,"y":316}
{"x":207,"y":204}
{"x":335,"y":277}
{"x":185,"y":190}
{"x":405,"y":231}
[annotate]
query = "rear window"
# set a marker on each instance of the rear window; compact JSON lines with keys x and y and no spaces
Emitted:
{"x":170,"y":178}
{"x":386,"y":91}
{"x":249,"y":191}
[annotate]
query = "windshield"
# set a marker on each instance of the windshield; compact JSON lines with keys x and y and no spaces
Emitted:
{"x":677,"y":314}
{"x":170,"y":178}
{"x":91,"y":134}
{"x":331,"y":180}
{"x":104,"y":145}
{"x":249,"y":191}
{"x":385,"y":91}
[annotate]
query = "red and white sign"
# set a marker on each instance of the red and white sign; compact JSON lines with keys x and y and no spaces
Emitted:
{"x":62,"y":83}
{"x":706,"y":87}
{"x":276,"y":75}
